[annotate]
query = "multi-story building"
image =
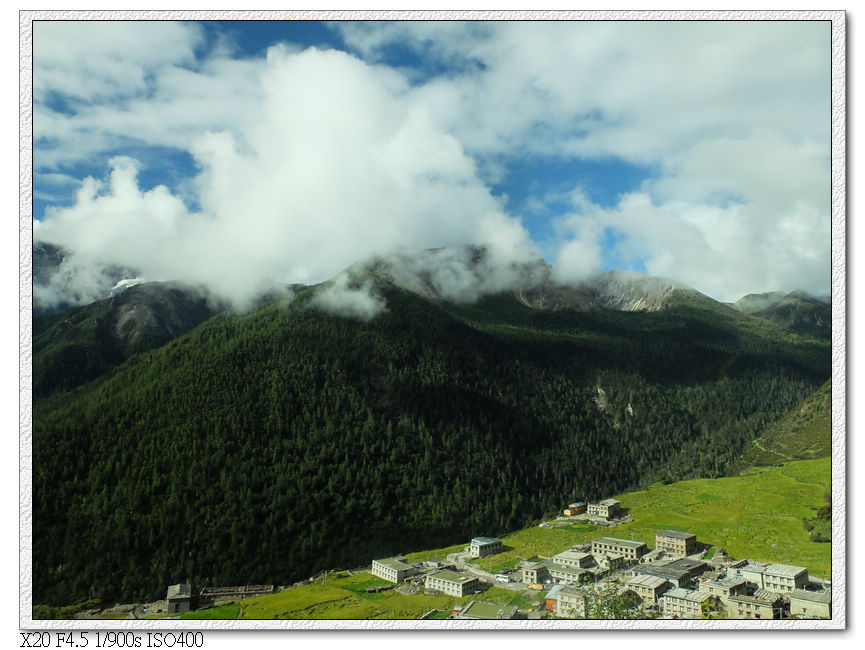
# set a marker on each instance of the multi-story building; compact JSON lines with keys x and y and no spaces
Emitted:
{"x":723,"y":588}
{"x":784,"y":578}
{"x":551,"y":600}
{"x":485,"y":546}
{"x":451,"y":582}
{"x":627,"y":548}
{"x":676,"y":543}
{"x":574,"y":559}
{"x":683,"y":603}
{"x":535,"y":573}
{"x":762,"y":604}
{"x":572,"y":603}
{"x":564,"y":574}
{"x":811,"y":604}
{"x":648,"y":588}
{"x":607,"y":509}
{"x":392,"y":569}
{"x":679,"y":573}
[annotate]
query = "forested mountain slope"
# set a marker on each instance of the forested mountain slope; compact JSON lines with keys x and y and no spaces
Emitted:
{"x":261,"y":448}
{"x":802,"y":434}
{"x":79,"y":344}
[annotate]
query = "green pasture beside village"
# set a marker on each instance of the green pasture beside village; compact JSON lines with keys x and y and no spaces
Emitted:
{"x":344,"y":596}
{"x":758,"y":515}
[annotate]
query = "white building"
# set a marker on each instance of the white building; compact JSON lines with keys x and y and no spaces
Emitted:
{"x":485,"y":546}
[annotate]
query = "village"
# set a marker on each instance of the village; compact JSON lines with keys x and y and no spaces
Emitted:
{"x":680,"y":578}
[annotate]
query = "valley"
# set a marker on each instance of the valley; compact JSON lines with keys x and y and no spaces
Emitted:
{"x":265,"y":446}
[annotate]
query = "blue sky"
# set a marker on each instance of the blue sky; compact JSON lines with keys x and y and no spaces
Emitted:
{"x":242,"y":152}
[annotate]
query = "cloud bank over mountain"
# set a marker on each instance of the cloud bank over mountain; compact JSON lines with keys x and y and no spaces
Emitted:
{"x":305,"y":160}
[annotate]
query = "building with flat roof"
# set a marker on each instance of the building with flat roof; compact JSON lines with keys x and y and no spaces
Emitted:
{"x":607,"y":509}
{"x":451,"y":582}
{"x":572,"y":603}
{"x":392,"y":569}
{"x":575,"y":559}
{"x":680,"y":573}
{"x":482,"y":610}
{"x":535,"y":573}
{"x":485,"y":546}
{"x":811,"y":604}
{"x":683,"y":603}
{"x":568,"y":575}
{"x":676,"y":543}
{"x":627,"y":548}
{"x":784,"y":578}
{"x":761,"y":605}
{"x":722,"y":588}
{"x":648,"y":588}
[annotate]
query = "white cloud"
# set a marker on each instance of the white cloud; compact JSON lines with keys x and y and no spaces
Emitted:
{"x":733,"y":116}
{"x":344,"y":297}
{"x":93,"y":60}
{"x":312,"y":160}
{"x":341,"y":163}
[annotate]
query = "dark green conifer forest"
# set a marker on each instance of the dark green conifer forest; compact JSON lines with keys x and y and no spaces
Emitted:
{"x":262,"y":448}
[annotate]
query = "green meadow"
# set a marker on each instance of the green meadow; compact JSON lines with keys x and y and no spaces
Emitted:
{"x":757,"y":515}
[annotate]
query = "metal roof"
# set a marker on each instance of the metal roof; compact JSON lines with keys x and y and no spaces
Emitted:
{"x":452,"y":576}
{"x":686,"y":594}
{"x":784,"y":570}
{"x":824,"y":597}
{"x":675,"y":534}
{"x":393,"y":563}
{"x":646,"y":580}
{"x":630,"y":543}
{"x":481,"y":541}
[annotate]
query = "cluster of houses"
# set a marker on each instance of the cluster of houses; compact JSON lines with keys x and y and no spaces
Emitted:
{"x":606,"y":509}
{"x":672,"y":580}
{"x":676,"y":582}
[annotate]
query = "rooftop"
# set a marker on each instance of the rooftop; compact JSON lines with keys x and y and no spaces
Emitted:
{"x":396,"y":563}
{"x":620,"y":542}
{"x":570,"y":555}
{"x":182,"y":590}
{"x":561,"y":568}
{"x":760,"y":596}
{"x":675,"y":534}
{"x":672,"y":571}
{"x":452,"y":576}
{"x":687,"y":594}
{"x":784,"y":570}
{"x":646,"y":581}
{"x":609,"y":502}
{"x":554,"y":592}
{"x":824,"y":597}
{"x":482,"y":609}
{"x":480,"y":541}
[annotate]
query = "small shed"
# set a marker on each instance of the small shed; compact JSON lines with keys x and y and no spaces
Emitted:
{"x":179,"y":598}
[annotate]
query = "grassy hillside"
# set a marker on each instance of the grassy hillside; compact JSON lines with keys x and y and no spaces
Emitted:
{"x":757,"y":516}
{"x":805,"y":432}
